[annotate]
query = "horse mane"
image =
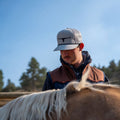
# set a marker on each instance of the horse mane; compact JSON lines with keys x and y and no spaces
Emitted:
{"x":77,"y":86}
{"x":38,"y":106}
{"x":34,"y":106}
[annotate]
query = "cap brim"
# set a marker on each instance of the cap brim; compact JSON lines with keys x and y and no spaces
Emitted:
{"x":65,"y":47}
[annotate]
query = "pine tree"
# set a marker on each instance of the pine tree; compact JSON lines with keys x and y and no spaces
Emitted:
{"x":10,"y":87}
{"x":1,"y":80}
{"x":112,"y":66}
{"x":118,"y":67}
{"x":32,"y":79}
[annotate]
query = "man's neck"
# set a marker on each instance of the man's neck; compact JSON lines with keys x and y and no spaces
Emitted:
{"x":77,"y":64}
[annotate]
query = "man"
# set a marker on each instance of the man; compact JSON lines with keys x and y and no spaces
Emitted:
{"x":74,"y":62}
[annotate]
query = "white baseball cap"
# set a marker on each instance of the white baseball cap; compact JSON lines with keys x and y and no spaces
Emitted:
{"x":68,"y":39}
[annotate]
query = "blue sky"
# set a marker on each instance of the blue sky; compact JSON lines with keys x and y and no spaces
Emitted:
{"x":28,"y":29}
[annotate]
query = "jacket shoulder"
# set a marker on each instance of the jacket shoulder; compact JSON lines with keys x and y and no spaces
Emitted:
{"x":55,"y":71}
{"x":59,"y":75}
{"x":56,"y":74}
{"x":96,"y":75}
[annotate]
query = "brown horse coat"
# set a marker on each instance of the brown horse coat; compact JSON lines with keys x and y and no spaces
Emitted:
{"x":77,"y":101}
{"x":99,"y":102}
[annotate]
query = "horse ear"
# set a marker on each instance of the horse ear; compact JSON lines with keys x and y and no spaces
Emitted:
{"x":75,"y":86}
{"x":83,"y":80}
{"x":70,"y":88}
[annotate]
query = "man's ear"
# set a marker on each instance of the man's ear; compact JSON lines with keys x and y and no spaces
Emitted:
{"x":81,"y":46}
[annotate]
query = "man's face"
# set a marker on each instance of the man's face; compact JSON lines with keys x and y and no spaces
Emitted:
{"x":71,"y":56}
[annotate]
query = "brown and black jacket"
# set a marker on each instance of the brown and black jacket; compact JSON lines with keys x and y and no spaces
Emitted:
{"x":60,"y":77}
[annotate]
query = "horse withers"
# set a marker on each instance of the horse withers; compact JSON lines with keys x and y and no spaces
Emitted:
{"x":99,"y":102}
{"x":77,"y":101}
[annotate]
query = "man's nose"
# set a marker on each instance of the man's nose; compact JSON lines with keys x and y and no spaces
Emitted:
{"x":66,"y":52}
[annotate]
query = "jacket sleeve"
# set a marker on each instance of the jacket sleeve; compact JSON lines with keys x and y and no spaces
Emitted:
{"x":106,"y":80}
{"x":48,"y":83}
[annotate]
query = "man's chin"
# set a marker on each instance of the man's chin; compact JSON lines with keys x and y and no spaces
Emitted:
{"x":69,"y":62}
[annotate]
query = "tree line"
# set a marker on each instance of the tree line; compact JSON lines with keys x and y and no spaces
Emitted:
{"x":112,"y":72}
{"x":33,"y":78}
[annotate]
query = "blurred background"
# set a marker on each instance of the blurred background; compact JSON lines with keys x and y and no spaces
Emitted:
{"x":28,"y":32}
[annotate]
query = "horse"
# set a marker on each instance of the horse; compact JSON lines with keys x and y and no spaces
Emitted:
{"x":77,"y":101}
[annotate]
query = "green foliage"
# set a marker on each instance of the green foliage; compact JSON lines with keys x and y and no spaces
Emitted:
{"x":107,"y":71}
{"x":112,"y":66}
{"x":112,"y":72}
{"x":34,"y":77}
{"x":10,"y":87}
{"x":1,"y":80}
{"x":118,"y":67}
